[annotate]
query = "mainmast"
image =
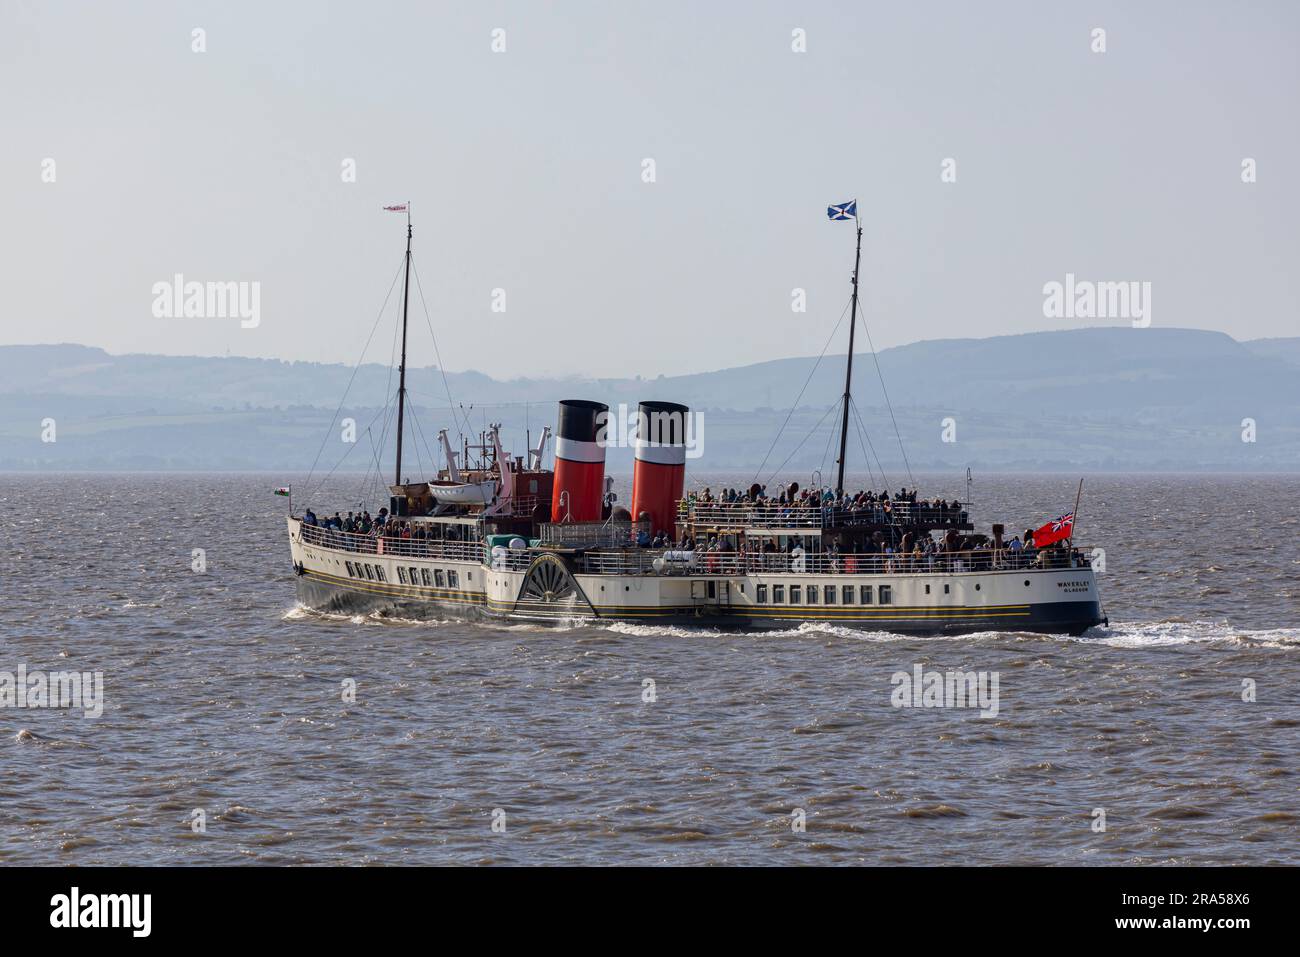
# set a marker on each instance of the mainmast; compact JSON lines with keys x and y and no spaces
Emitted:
{"x":848,"y":373}
{"x":401,"y":369}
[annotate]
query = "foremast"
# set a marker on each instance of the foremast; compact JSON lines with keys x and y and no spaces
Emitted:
{"x":848,"y":372}
{"x":401,"y":369}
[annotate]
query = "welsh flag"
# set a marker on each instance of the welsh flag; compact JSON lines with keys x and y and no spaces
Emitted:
{"x":282,"y":490}
{"x":1054,"y":531}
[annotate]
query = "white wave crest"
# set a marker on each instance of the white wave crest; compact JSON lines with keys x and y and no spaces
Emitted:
{"x":1157,"y":634}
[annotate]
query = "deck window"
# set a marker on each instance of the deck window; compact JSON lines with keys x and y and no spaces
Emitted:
{"x":886,"y":594}
{"x":414,"y":575}
{"x":424,"y":576}
{"x":829,"y":594}
{"x":370,"y":571}
{"x":864,"y":594}
{"x":846,"y":595}
{"x":778,"y":594}
{"x":453,"y":578}
{"x":760,"y":593}
{"x":379,"y":573}
{"x":812,"y":594}
{"x":401,"y":574}
{"x":350,"y":573}
{"x":796,"y":594}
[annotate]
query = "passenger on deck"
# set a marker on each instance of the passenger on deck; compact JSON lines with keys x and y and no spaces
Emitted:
{"x":1030,"y":551}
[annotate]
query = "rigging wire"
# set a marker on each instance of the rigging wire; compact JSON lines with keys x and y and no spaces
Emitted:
{"x":352,"y":445}
{"x":387,"y":413}
{"x":415,"y":436}
{"x":881,"y":376}
{"x":352,"y":378}
{"x":795,"y":405}
{"x":807,"y":435}
{"x":418,"y":436}
{"x":871,"y":475}
{"x":364,"y":493}
{"x":830,"y":438}
{"x":865,"y":436}
{"x":436,"y":354}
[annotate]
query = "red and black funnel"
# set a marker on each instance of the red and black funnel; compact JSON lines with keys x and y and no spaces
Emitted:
{"x":579,"y":461}
{"x":659,"y":475}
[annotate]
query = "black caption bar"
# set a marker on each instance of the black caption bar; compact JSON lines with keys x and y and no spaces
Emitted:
{"x":331,"y":906}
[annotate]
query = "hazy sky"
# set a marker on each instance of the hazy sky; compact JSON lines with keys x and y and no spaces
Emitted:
{"x":525,"y":172}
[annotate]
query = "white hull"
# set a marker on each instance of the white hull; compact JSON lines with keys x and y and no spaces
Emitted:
{"x":1043,"y":600}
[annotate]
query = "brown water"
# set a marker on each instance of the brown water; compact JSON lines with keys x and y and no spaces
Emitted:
{"x":222,"y":695}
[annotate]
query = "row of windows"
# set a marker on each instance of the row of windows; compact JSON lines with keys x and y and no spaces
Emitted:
{"x":828,"y":594}
{"x":365,"y":571}
{"x":429,"y":578}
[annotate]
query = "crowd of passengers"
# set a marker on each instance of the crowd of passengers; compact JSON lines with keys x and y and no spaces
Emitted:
{"x":911,"y":553}
{"x":362,"y":533}
{"x":839,"y":508}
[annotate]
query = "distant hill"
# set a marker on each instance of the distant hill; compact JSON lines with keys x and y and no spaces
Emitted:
{"x":1106,"y":398}
{"x":1286,"y":349}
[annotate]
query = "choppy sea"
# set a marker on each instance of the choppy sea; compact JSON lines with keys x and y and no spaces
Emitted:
{"x":1170,"y":736}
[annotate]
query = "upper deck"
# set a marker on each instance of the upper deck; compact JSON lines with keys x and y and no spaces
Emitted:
{"x":773,"y":515}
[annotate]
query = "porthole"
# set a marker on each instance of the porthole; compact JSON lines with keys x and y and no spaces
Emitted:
{"x":1026,"y":582}
{"x":977,"y":587}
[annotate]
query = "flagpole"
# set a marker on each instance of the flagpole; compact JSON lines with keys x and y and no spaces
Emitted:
{"x":848,"y":372}
{"x":1075,"y":523}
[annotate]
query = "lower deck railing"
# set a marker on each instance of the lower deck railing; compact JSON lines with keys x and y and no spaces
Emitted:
{"x":391,"y":545}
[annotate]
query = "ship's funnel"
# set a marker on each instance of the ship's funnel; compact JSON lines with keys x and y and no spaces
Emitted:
{"x":659,"y":474}
{"x":579,"y":462}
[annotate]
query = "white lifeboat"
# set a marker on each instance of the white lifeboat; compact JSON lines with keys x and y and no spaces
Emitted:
{"x":464,"y":493}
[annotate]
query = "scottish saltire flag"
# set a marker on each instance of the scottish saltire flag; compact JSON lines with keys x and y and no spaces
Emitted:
{"x":847,"y":210}
{"x":396,"y":209}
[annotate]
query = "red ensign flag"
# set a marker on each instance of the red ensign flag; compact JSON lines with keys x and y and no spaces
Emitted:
{"x":1063,"y":527}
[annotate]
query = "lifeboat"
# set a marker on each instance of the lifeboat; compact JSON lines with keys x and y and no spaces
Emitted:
{"x":464,"y":493}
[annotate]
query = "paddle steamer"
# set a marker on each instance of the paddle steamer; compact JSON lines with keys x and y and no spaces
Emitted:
{"x":505,"y":538}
